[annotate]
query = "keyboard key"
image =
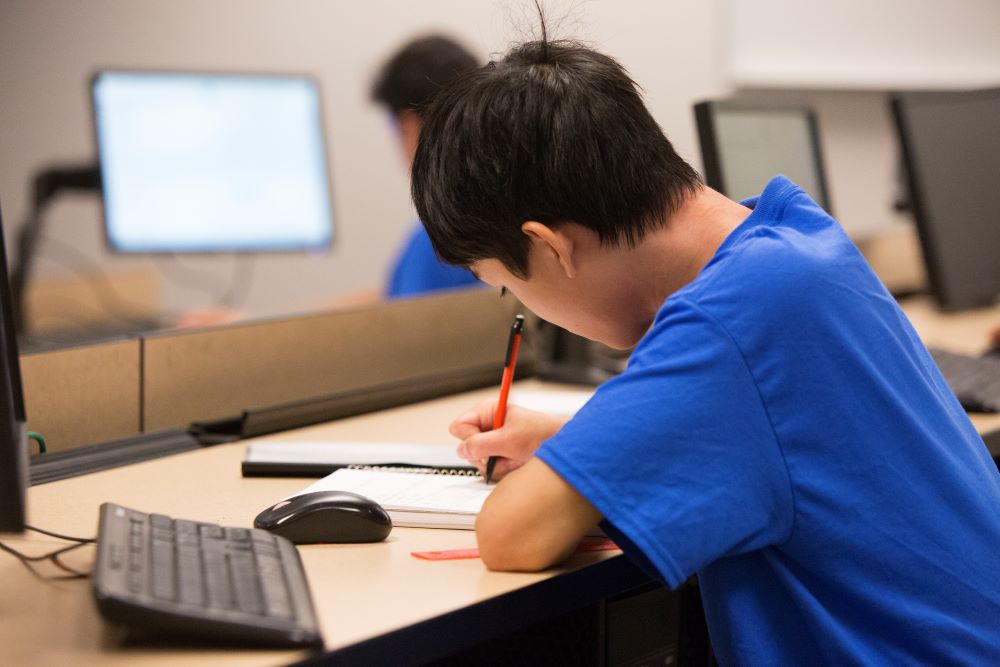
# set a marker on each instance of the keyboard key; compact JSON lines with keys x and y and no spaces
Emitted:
{"x":135,"y":542}
{"x":217,"y":578}
{"x":187,"y":532}
{"x":135,"y":580}
{"x":116,"y":556}
{"x":245,"y":583}
{"x":238,"y":534}
{"x":273,"y":586}
{"x":160,"y":535}
{"x":210,"y":532}
{"x":189,"y":574}
{"x":163,"y":571}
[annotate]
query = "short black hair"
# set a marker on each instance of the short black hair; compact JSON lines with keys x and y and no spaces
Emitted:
{"x":553,"y":132}
{"x":419,"y":69}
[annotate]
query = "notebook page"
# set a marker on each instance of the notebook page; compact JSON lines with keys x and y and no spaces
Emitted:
{"x":410,"y":491}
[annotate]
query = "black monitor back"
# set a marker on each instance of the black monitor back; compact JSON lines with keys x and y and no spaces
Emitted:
{"x":13,"y":443}
{"x":950,"y":144}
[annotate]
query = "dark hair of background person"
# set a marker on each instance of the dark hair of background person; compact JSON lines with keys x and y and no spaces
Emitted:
{"x":553,"y":132}
{"x":409,"y":79}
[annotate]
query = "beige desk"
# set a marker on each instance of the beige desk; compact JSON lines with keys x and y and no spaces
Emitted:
{"x":360,"y":591}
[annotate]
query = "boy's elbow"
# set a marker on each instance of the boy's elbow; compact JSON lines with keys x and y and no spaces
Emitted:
{"x":507,"y":550}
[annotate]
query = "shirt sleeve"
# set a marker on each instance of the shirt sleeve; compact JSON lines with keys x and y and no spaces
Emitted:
{"x":678,"y":452}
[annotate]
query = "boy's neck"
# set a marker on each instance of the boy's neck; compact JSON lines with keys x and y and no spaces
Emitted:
{"x":675,"y":254}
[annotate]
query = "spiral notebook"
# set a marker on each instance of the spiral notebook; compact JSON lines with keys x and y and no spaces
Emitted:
{"x":414,"y":497}
{"x":317,"y":459}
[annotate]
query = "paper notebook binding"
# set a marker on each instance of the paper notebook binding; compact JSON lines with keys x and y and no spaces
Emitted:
{"x":456,"y":472}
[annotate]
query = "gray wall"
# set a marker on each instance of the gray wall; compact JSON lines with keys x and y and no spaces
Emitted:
{"x":49,"y":48}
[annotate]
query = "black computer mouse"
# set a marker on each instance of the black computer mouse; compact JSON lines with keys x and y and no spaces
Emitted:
{"x":326,"y":516}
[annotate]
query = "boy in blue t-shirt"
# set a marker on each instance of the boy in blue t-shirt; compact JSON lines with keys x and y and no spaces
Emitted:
{"x":780,"y":429}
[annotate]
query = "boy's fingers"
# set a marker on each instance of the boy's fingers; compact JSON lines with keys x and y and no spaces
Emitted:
{"x":482,"y":446}
{"x":463,"y":430}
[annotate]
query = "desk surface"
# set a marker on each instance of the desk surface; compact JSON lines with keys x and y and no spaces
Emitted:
{"x":360,"y":591}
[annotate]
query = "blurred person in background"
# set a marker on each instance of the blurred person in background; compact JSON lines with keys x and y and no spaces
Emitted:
{"x":404,"y":86}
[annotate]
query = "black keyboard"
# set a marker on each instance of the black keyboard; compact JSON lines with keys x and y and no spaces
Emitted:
{"x":162,"y":576}
{"x":975,"y":380}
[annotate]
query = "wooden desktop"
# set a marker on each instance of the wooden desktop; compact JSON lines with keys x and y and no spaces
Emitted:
{"x":360,"y":591}
{"x":371,"y":599}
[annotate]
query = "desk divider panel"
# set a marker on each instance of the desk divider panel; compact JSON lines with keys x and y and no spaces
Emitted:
{"x":84,"y":395}
{"x":221,"y":372}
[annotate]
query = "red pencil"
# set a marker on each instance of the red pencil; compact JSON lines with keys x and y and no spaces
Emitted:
{"x":509,"y":363}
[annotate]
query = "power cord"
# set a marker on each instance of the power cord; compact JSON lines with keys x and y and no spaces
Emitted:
{"x":52,"y":556}
{"x":37,"y":437}
{"x":60,"y":536}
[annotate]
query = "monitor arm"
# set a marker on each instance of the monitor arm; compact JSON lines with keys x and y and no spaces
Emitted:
{"x":46,"y":185}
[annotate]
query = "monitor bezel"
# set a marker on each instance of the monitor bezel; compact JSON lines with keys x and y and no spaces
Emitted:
{"x":13,"y":441}
{"x":926,"y":233}
{"x":320,"y":249}
{"x":704,"y":113}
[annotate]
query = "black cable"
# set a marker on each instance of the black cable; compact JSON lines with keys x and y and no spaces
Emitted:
{"x":53,"y":557}
{"x":82,"y":540}
{"x":23,"y":560}
{"x":75,"y":574}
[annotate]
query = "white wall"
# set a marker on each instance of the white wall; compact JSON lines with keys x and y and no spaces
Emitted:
{"x":863,"y":44}
{"x":49,"y":48}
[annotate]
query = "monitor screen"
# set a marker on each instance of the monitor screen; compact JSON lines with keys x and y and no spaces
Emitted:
{"x":951,"y":157}
{"x":13,"y":441}
{"x":212,"y":162}
{"x":745,"y":147}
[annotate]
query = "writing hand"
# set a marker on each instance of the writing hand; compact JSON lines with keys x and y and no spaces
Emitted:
{"x":515,"y":442}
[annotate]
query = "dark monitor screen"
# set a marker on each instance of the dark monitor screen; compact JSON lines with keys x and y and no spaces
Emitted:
{"x":13,"y":443}
{"x":951,"y":157}
{"x":743,"y":147}
{"x":212,"y":162}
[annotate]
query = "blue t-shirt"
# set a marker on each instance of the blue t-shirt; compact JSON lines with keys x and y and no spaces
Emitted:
{"x":782,"y":432}
{"x":418,"y":269}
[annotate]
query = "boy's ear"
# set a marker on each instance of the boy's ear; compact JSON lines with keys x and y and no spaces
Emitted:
{"x":554,"y":243}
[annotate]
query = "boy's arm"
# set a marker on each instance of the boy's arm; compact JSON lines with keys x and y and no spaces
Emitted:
{"x":532,"y":520}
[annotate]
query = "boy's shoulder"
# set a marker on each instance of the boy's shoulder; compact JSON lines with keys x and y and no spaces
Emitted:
{"x":788,"y":253}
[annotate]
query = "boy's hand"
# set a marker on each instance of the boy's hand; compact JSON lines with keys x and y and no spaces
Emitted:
{"x":515,"y":442}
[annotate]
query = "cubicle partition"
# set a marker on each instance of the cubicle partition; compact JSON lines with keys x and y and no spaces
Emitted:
{"x":107,"y":404}
{"x":457,"y":338}
{"x":83,"y":395}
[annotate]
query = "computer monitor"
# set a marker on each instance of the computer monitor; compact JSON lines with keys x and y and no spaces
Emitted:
{"x":950,"y":144}
{"x":196,"y":163}
{"x":743,"y":147}
{"x":13,"y":430}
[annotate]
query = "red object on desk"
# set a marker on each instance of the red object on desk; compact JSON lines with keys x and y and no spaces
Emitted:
{"x":510,"y":361}
{"x":459,"y":554}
